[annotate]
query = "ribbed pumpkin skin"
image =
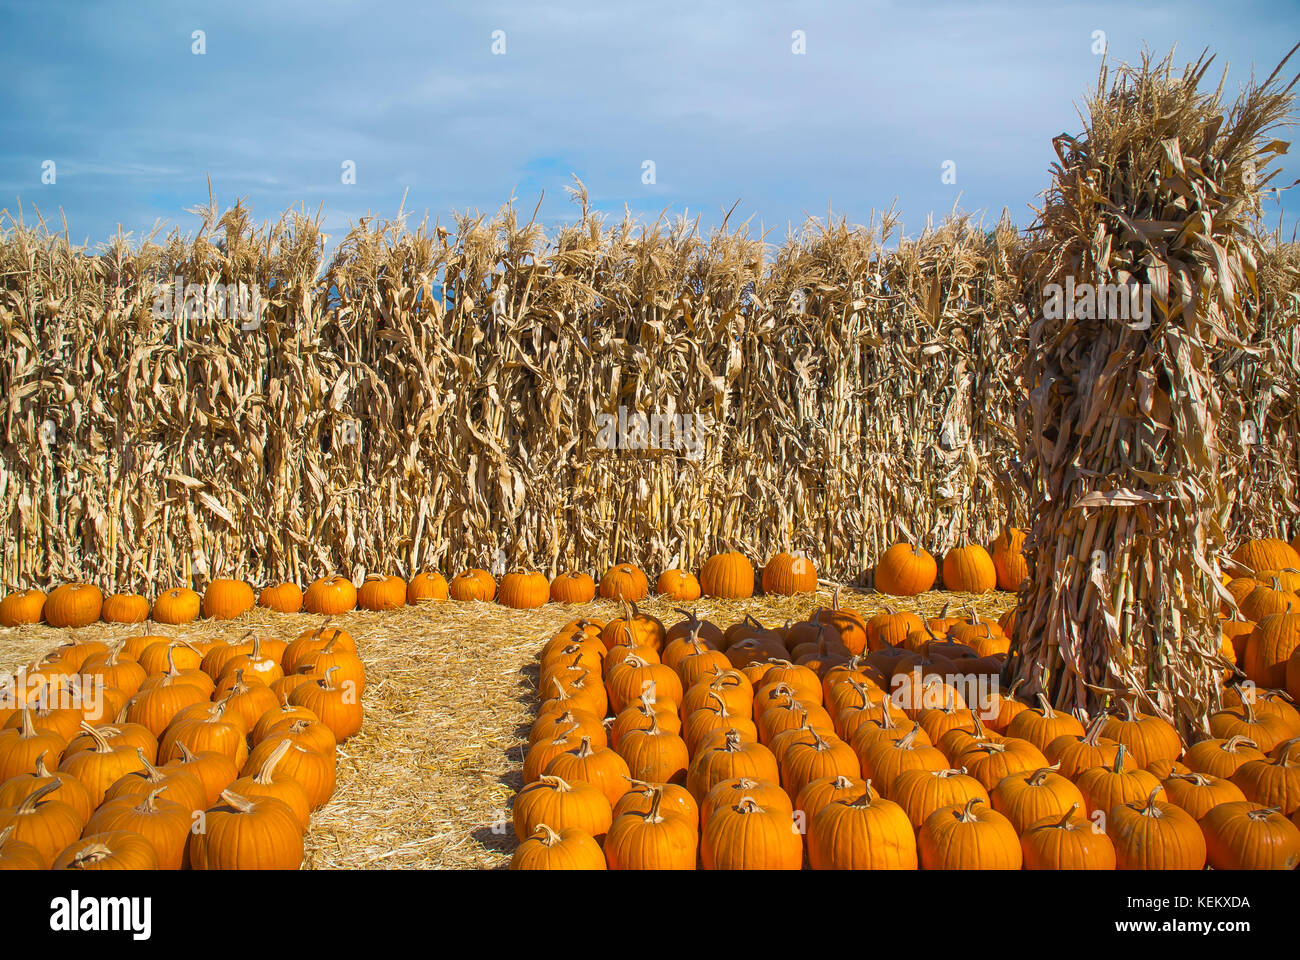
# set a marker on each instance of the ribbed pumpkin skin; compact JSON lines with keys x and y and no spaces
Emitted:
{"x":1199,"y":793}
{"x":573,"y":587}
{"x":569,"y":849}
{"x":331,"y":596}
{"x":868,"y":833}
{"x":1247,"y":836}
{"x":125,"y":608}
{"x":552,"y":800}
{"x":379,"y":592}
{"x":429,"y":585}
{"x":969,"y":569}
{"x":124,"y":850}
{"x":787,"y":575}
{"x":974,"y":837}
{"x":624,"y":581}
{"x":178,"y":605}
{"x":1155,"y":836}
{"x":746,"y":837}
{"x":73,"y":605}
{"x":473,"y":584}
{"x":523,"y":591}
{"x":22,"y":607}
{"x":283,"y":598}
{"x":227,"y":599}
{"x":265,"y":836}
{"x":728,"y":576}
{"x":1008,"y":554}
{"x":921,"y":792}
{"x":678,"y":585}
{"x":905,"y":571}
{"x":1268,"y":648}
{"x":1066,"y":843}
{"x":1267,"y":553}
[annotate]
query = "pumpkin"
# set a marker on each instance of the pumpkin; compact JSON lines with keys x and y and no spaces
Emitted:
{"x":654,"y":755}
{"x":156,"y":707}
{"x":680,"y":585}
{"x":312,"y":769}
{"x":1107,"y":787}
{"x":256,"y":664}
{"x":1152,"y":834}
{"x":643,"y":714}
{"x":77,"y":652}
{"x":523,"y":591}
{"x":921,"y":792}
{"x":728,"y":576}
{"x":161,"y":821}
{"x":731,"y":759}
{"x":337,"y":705}
{"x":17,"y":855}
{"x":1146,"y":738}
{"x":630,"y":677}
{"x":1041,"y":725}
{"x":1241,"y":835}
{"x":1265,"y":729}
{"x":65,"y":721}
{"x":378,"y":592}
{"x":73,"y":605}
{"x":599,"y":766}
{"x":554,"y":800}
{"x":1027,"y":798}
{"x":990,"y":762}
{"x":1222,"y":757}
{"x":884,"y":760}
{"x":969,"y":569}
{"x":787,"y":574}
{"x":634,"y":629}
{"x":904,"y":570}
{"x":23,"y":745}
{"x":969,"y":837}
{"x":281,"y":716}
{"x":816,"y":794}
{"x":282,"y":598}
{"x":569,"y":849}
{"x":809,"y":756}
{"x":111,"y":850}
{"x":309,"y":642}
{"x":43,"y":821}
{"x":1070,"y":842}
{"x":1198,"y":793}
{"x":214,"y":771}
{"x":1274,"y":781}
{"x":427,"y":585}
{"x":125,"y":608}
{"x":103,"y":763}
{"x":1008,"y":555}
{"x":1266,"y":553}
{"x":473,"y":584}
{"x":572,"y":587}
{"x":677,"y":800}
{"x":890,"y":627}
{"x":624,"y":581}
{"x":349,"y":671}
{"x":178,"y":605}
{"x":865,"y":833}
{"x":71,"y":790}
{"x":1269,"y":646}
{"x":719,"y":714}
{"x":651,"y":840}
{"x":331,"y":596}
{"x":744,"y":836}
{"x":268,"y":782}
{"x":115,"y":670}
{"x":183,"y":786}
{"x":248,"y":833}
{"x":1073,"y":754}
{"x":1267,"y":599}
{"x":226,"y":599}
{"x":22,"y":607}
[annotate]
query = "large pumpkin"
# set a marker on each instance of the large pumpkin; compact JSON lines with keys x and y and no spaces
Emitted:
{"x":1008,"y":553}
{"x":567,"y":849}
{"x":177,"y":605}
{"x":523,"y":591}
{"x":330,"y":596}
{"x":787,"y":574}
{"x":282,"y":598}
{"x":1266,"y":553}
{"x":1154,"y":834}
{"x":73,"y":605}
{"x":744,"y":836}
{"x":972,"y":837}
{"x":729,"y":576}
{"x":678,"y":585}
{"x":1246,"y":836}
{"x":227,"y":599}
{"x":904,"y":570}
{"x":1068,"y":842}
{"x":573,"y":587}
{"x":379,"y":592}
{"x":1269,"y":646}
{"x":473,"y":584}
{"x":865,"y":833}
{"x":125,"y":608}
{"x":428,"y":585}
{"x":248,"y":833}
{"x":969,"y":569}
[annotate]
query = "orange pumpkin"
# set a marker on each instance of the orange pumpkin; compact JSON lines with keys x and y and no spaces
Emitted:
{"x":904,"y":570}
{"x":73,"y":605}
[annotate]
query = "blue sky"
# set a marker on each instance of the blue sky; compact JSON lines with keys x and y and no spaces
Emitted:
{"x":711,"y":92}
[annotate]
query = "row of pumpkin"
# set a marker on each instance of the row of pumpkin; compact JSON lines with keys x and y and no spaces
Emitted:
{"x":847,"y":742}
{"x":214,"y":756}
{"x":902,"y":570}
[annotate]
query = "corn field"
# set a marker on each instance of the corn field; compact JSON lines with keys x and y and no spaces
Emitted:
{"x":433,"y":396}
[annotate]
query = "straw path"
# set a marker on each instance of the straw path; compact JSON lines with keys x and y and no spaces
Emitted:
{"x":451,"y":690}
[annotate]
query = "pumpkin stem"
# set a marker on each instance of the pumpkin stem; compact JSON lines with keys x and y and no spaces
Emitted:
{"x":240,"y":803}
{"x":92,"y":853}
{"x":101,"y":744}
{"x":584,"y":748}
{"x":1048,"y":712}
{"x":1150,"y":809}
{"x":556,"y":783}
{"x":264,"y":776}
{"x":731,"y":741}
{"x":150,"y":803}
{"x":967,"y":813}
{"x":29,"y":802}
{"x":1067,"y":816}
{"x":908,"y":739}
{"x":27,"y":730}
{"x":545,"y":834}
{"x":1118,"y":765}
{"x":748,"y":804}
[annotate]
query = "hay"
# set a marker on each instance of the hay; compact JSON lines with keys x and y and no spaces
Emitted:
{"x":451,"y":691}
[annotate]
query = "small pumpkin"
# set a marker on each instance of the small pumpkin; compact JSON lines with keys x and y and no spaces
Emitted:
{"x":473,"y":584}
{"x":969,"y":569}
{"x":226,"y":599}
{"x":1008,"y":554}
{"x":332,"y":595}
{"x":679,"y":585}
{"x":177,"y":605}
{"x":337,"y":705}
